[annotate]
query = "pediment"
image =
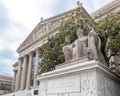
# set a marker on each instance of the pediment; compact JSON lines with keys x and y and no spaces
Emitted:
{"x":48,"y":25}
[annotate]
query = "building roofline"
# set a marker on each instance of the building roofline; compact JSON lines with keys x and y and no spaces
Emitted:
{"x":105,"y":8}
{"x":6,"y":76}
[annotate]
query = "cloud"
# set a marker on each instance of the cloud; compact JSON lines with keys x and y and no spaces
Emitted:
{"x":61,"y":6}
{"x":19,"y":17}
{"x":3,"y":17}
{"x":5,"y":67}
{"x":97,"y":4}
{"x":6,"y":53}
{"x":7,"y":59}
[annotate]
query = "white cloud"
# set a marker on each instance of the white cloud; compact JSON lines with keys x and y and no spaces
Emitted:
{"x":96,"y":4}
{"x":24,"y":15}
{"x":28,"y":12}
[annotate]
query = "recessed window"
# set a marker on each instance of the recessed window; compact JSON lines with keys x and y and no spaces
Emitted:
{"x":35,"y":92}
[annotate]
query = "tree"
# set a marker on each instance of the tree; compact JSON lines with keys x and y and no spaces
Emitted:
{"x":5,"y":87}
{"x":109,"y":31}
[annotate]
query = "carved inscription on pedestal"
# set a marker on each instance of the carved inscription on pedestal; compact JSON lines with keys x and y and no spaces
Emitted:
{"x":64,"y":84}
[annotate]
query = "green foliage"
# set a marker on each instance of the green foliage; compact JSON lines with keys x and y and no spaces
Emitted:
{"x":51,"y":52}
{"x":5,"y":87}
{"x":109,"y":28}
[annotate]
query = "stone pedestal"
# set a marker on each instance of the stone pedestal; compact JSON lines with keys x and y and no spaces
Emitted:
{"x":88,"y":78}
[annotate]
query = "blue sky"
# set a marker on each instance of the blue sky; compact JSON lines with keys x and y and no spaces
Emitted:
{"x":19,"y":17}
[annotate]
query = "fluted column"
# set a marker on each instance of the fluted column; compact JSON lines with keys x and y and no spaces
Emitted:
{"x":29,"y":71}
{"x":36,"y":66}
{"x":18,"y":77}
{"x":24,"y":73}
{"x":14,"y":79}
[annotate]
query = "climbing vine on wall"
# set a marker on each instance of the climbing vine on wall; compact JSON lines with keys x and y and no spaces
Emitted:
{"x":109,"y":31}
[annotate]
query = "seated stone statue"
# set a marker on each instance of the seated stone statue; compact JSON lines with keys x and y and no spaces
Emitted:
{"x":84,"y":46}
{"x":78,"y":48}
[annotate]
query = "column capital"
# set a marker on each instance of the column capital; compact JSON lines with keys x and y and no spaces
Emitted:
{"x":20,"y":58}
{"x":31,"y":53}
{"x":14,"y":70}
{"x":37,"y":49}
{"x":25,"y":56}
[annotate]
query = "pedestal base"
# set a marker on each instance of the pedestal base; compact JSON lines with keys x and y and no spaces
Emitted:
{"x":89,"y":78}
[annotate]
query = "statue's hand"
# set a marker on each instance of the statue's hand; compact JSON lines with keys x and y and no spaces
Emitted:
{"x":73,"y":45}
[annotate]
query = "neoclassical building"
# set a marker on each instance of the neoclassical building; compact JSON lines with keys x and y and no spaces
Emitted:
{"x":27,"y":67}
{"x":6,"y":84}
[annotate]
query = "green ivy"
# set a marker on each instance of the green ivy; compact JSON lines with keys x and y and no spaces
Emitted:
{"x":5,"y":87}
{"x":109,"y":28}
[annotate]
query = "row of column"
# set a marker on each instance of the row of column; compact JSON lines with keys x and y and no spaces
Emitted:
{"x":23,"y":75}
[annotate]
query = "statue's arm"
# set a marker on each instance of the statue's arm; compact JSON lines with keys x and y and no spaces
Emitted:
{"x":73,"y":44}
{"x":86,"y":38}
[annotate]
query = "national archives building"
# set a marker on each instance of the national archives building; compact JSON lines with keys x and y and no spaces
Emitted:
{"x":27,"y":67}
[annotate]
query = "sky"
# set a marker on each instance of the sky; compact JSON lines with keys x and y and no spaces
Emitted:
{"x":19,"y":17}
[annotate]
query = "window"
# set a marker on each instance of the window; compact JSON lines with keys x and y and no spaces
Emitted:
{"x":35,"y":92}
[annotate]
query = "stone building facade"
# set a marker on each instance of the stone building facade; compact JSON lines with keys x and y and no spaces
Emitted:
{"x":27,"y":67}
{"x":6,"y":84}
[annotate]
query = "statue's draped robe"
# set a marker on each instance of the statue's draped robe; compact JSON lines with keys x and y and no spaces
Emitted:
{"x":80,"y":47}
{"x":94,"y":45}
{"x":68,"y":51}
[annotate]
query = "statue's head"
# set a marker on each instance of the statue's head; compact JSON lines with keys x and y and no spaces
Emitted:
{"x":92,"y":32}
{"x":80,"y":32}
